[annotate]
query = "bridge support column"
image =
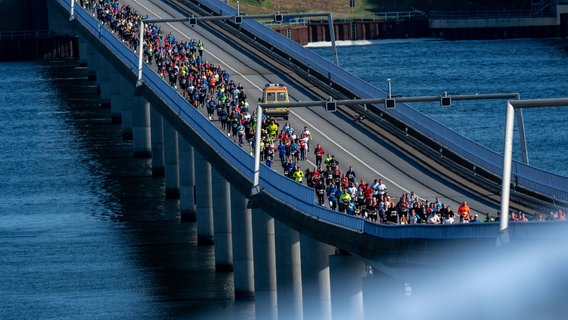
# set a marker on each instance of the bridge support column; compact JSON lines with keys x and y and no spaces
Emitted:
{"x":264,"y":265}
{"x":316,"y":292}
{"x":104,"y":80}
{"x":141,"y":128}
{"x":288,"y":272}
{"x":116,"y":100}
{"x":83,"y":52}
{"x":127,"y":102}
{"x":171,"y":161}
{"x":93,"y":65}
{"x":346,"y":274}
{"x":157,"y":139}
{"x":222,"y":222}
{"x":186,"y":181}
{"x":203,"y":201}
{"x":243,"y":266}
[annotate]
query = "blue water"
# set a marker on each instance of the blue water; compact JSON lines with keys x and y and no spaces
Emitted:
{"x":85,"y":231}
{"x":534,"y":68}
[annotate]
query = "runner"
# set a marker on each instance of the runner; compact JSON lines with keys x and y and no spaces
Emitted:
{"x":319,"y":151}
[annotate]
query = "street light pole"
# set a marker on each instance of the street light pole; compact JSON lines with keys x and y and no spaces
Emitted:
{"x":211,"y":18}
{"x":140,"y":53}
{"x":332,"y":38}
{"x":141,"y":41}
{"x":256,"y":178}
{"x":398,"y":99}
{"x":256,"y":188}
{"x":523,"y":140}
{"x":72,"y":11}
{"x":507,"y":155}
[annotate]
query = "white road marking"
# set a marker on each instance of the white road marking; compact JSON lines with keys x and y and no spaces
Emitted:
{"x":295,"y":114}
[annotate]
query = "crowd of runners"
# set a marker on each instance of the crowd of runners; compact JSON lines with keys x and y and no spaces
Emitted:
{"x":209,"y":87}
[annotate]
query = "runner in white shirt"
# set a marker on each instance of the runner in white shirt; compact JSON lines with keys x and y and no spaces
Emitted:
{"x":306,"y":136}
{"x":382,"y":188}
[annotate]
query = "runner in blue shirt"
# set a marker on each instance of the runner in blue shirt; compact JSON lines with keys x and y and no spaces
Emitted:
{"x":332,"y":196}
{"x":282,"y":152}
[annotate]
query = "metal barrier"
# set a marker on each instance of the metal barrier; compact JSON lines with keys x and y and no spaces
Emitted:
{"x":24,"y":34}
{"x":396,"y":16}
{"x":481,"y":14}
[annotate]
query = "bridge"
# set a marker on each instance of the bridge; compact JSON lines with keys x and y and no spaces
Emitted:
{"x":280,"y":245}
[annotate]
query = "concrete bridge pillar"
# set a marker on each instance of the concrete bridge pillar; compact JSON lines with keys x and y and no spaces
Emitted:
{"x":288,"y":272}
{"x":116,"y":100}
{"x":203,"y":200}
{"x":222,"y":222}
{"x":316,"y":292}
{"x":157,"y":138}
{"x":264,"y":265}
{"x":186,"y":181}
{"x":171,"y":161}
{"x":141,"y":127}
{"x":104,"y":80}
{"x":127,"y":103}
{"x":92,"y":64}
{"x":243,"y":266}
{"x":83,"y":52}
{"x":346,"y":274}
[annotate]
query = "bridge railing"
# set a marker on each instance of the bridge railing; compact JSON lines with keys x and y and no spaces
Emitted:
{"x":234,"y":154}
{"x":24,"y":34}
{"x":284,"y":189}
{"x":481,"y":14}
{"x":391,"y":16}
{"x":535,"y":179}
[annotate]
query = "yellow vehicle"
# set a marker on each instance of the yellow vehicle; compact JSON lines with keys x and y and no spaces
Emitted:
{"x":275,"y":93}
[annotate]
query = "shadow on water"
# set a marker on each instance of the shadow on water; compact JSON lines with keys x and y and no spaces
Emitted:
{"x":179,"y":276}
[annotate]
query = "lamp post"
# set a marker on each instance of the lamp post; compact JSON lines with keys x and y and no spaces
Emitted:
{"x":256,"y":179}
{"x":445,"y":101}
{"x":141,"y":40}
{"x":140,"y":53}
{"x":507,"y":156}
{"x":256,"y":188}
{"x":211,"y":18}
{"x":72,"y":11}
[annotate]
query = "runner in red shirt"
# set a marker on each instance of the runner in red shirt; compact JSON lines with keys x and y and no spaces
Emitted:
{"x":318,"y":151}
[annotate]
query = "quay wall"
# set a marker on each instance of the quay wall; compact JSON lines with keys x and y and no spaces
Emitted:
{"x":24,"y":35}
{"x":355,"y":30}
{"x":374,"y":30}
{"x":36,"y":45}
